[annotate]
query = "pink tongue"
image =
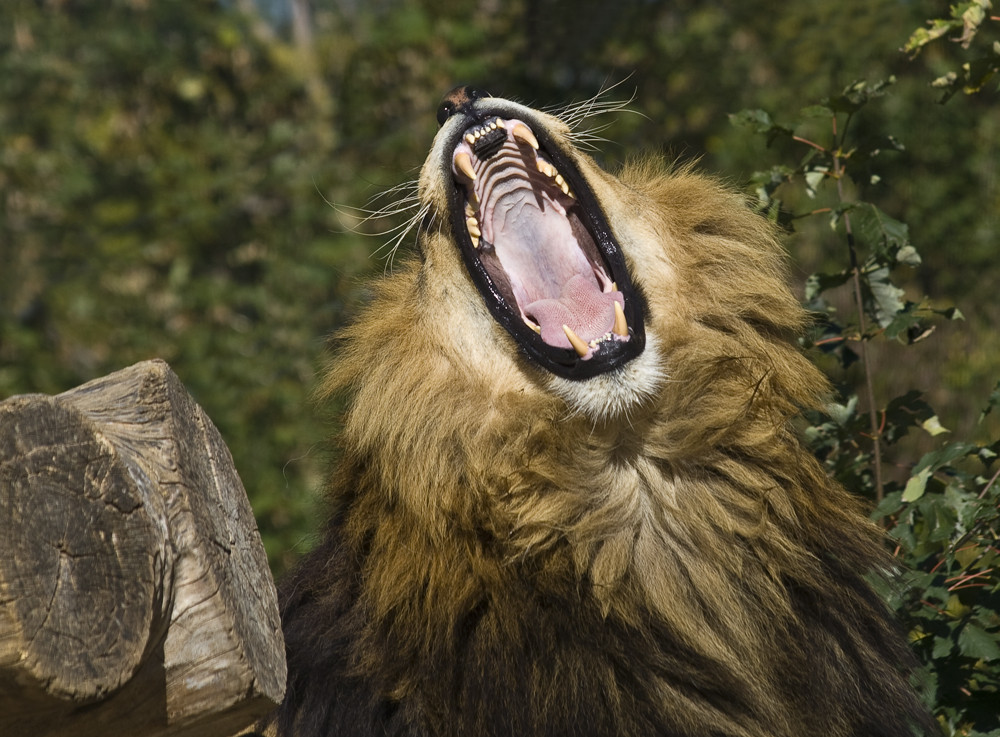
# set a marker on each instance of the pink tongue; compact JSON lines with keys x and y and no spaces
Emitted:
{"x":582,"y":305}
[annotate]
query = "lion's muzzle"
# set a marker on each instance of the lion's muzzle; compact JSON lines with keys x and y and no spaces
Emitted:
{"x":535,"y":240}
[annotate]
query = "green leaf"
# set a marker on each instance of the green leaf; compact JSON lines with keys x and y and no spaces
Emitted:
{"x":942,"y":647}
{"x":855,"y":96}
{"x":760,"y":121}
{"x":992,"y":402}
{"x":842,"y":413}
{"x":886,"y":299}
{"x":972,"y":18}
{"x":818,"y":283}
{"x":945,"y":456}
{"x":933,"y":426}
{"x":883,"y":234}
{"x":976,"y":642}
{"x":951,"y":313}
{"x":923,"y":36}
{"x":916,"y":486}
{"x":814,"y":177}
{"x":908,"y":256}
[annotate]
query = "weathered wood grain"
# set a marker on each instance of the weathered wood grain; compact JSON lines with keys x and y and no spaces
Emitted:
{"x":134,"y":590}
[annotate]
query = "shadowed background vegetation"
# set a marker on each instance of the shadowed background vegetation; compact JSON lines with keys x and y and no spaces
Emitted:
{"x":167,"y":171}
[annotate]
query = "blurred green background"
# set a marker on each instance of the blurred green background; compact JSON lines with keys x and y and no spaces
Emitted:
{"x":167,"y":171}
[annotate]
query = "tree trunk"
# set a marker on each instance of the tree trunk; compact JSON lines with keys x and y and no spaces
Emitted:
{"x":135,"y":596}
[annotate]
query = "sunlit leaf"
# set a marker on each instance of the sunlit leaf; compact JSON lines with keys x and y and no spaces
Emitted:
{"x":933,"y":426}
{"x":916,"y":485}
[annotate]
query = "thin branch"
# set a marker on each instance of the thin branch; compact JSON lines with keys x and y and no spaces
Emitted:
{"x":807,"y":142}
{"x":838,"y":174}
{"x":989,"y":484}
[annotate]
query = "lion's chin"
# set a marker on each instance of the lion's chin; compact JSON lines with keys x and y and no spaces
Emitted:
{"x":616,"y":394}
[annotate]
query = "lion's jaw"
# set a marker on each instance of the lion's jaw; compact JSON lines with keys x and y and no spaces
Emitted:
{"x":523,"y":215}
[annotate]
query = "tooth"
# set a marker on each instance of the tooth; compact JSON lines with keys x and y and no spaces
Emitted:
{"x":474,"y":230}
{"x":579,"y":346}
{"x":559,"y":180}
{"x":533,"y":326}
{"x":621,"y":327}
{"x":475,"y":242}
{"x":500,"y":123}
{"x":464,"y":164}
{"x":523,"y":133}
{"x":469,"y":210}
{"x":470,"y":139}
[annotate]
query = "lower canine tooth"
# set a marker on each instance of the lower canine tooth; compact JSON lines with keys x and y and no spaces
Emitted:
{"x":523,"y":133}
{"x":579,"y":346}
{"x":620,"y":327}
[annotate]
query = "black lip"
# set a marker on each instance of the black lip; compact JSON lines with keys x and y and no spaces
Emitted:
{"x":559,"y":361}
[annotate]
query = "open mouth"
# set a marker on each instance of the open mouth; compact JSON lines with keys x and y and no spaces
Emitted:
{"x":540,"y":251}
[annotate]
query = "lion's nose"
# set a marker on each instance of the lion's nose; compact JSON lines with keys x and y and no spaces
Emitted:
{"x":457,"y":100}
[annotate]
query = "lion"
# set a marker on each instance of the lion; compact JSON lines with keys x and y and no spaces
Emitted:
{"x":570,"y":498}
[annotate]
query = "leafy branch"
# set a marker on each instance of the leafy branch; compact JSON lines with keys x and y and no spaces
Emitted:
{"x":877,"y":300}
{"x":963,"y":25}
{"x":944,"y":520}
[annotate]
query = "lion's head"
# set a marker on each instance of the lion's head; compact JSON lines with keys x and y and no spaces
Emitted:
{"x":569,"y":496}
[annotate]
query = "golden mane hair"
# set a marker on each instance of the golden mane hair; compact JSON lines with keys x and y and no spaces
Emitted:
{"x":646,"y":551}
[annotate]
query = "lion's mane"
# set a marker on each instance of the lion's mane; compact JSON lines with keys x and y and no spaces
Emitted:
{"x":507,"y":555}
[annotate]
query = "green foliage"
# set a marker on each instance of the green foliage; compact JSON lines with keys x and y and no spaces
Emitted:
{"x":944,"y":515}
{"x":159,"y":169}
{"x":966,"y":21}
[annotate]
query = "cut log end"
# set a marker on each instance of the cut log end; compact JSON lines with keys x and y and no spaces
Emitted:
{"x":134,"y":589}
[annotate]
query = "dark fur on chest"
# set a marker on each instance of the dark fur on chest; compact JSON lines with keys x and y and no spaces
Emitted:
{"x":538,"y":657}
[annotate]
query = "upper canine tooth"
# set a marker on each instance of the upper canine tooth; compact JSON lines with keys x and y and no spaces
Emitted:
{"x":523,"y":133}
{"x":620,"y":327}
{"x":579,"y":346}
{"x":464,"y":164}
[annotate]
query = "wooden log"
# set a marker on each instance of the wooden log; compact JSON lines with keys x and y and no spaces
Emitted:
{"x":135,"y":596}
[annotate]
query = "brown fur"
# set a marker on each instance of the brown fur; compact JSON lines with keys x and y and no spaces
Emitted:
{"x":508,"y":556}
